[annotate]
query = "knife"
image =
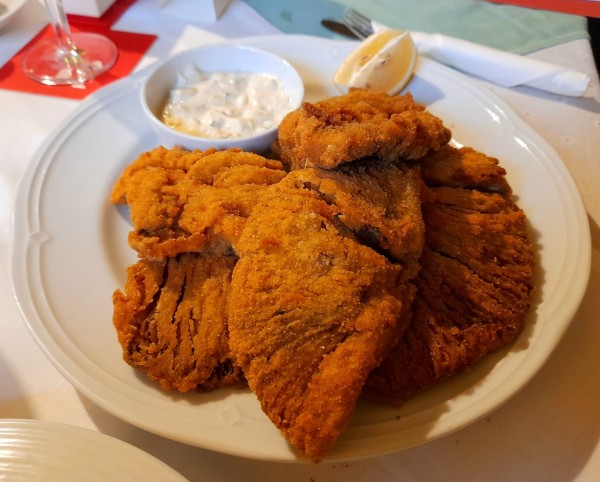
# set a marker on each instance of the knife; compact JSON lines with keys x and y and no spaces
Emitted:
{"x":338,"y":27}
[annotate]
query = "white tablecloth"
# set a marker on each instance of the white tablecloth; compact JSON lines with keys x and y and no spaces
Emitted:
{"x":549,"y":431}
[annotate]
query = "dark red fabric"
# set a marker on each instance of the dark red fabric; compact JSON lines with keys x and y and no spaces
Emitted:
{"x":584,"y":8}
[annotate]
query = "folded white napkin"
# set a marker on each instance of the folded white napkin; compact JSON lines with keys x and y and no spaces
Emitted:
{"x":502,"y":68}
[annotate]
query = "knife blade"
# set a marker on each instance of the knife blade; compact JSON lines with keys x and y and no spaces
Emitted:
{"x":338,"y":27}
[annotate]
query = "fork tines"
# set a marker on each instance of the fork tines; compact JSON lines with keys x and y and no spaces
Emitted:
{"x":357,"y":23}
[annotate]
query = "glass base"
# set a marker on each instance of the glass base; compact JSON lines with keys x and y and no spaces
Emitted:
{"x":50,"y":63}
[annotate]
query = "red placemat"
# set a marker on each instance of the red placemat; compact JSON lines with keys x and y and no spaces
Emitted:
{"x":132,"y":47}
{"x":584,"y":8}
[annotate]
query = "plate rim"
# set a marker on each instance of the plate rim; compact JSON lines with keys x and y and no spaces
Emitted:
{"x":24,"y":431}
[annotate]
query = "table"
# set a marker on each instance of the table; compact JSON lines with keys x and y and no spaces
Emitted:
{"x":549,"y":431}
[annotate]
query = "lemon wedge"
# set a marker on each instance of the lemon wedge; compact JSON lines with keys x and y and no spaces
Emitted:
{"x":383,"y":62}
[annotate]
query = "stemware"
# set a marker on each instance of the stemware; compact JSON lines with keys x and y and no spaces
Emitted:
{"x":68,"y":58}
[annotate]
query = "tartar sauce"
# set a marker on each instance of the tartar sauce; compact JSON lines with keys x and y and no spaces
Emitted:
{"x":222,"y":105}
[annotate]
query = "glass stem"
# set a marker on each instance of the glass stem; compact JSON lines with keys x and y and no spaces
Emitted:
{"x":72,"y":56}
{"x":59,"y":21}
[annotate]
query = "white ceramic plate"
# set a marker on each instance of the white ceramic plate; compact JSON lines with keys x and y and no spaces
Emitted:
{"x":70,"y":253}
{"x":38,"y":450}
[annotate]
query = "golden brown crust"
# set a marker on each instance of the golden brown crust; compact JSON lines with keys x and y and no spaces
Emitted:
{"x":171,"y":321}
{"x":475,"y":282}
{"x":312,"y":311}
{"x":318,"y":306}
{"x":359,"y":124}
{"x":176,"y":160}
{"x":380,"y":203}
{"x":184,"y":201}
{"x":464,"y":167}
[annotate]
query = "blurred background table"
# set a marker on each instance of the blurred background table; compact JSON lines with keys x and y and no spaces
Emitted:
{"x":549,"y":431}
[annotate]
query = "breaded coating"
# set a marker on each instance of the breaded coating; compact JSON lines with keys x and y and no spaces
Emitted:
{"x":464,"y":167}
{"x":171,"y":321}
{"x":176,"y":160}
{"x":385,"y":261}
{"x":379,"y":202}
{"x":183,"y":201}
{"x":312,"y":311}
{"x":475,"y":282}
{"x":359,"y":124}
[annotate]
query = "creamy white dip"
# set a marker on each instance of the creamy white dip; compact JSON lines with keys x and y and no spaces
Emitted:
{"x":222,"y":105}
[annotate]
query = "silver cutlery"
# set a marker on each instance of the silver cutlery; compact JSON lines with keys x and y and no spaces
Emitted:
{"x":339,"y":28}
{"x":357,"y":23}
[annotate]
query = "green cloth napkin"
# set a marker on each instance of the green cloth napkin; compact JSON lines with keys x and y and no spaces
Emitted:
{"x":506,"y":27}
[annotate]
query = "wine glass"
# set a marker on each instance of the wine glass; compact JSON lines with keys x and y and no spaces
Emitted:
{"x":68,"y":59}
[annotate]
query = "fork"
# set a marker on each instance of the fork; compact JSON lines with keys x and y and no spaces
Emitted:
{"x":357,"y":23}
